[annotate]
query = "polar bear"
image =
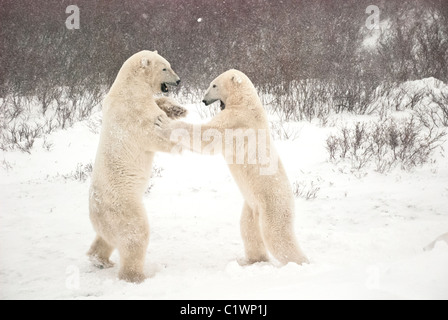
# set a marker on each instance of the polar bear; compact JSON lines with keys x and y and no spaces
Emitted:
{"x":124,"y":159}
{"x":268,"y":212}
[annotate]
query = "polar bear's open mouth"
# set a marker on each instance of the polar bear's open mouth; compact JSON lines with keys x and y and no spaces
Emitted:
{"x":165,"y":85}
{"x":223,"y":105}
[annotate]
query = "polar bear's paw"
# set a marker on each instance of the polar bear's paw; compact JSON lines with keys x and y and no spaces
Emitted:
{"x":101,"y":263}
{"x":176,"y":112}
{"x":131,"y":276}
{"x":248,"y":262}
{"x":171,"y":107}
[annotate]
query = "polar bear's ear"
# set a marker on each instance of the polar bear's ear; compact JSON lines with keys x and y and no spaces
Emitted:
{"x":236,"y":79}
{"x":145,"y":62}
{"x":156,"y":52}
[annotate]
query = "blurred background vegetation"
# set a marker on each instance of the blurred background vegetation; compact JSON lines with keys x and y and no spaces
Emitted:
{"x":309,"y":57}
{"x":274,"y":42}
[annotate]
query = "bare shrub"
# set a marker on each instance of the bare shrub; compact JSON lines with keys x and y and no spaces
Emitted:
{"x":281,"y":131}
{"x":383,"y":139}
{"x":149,"y":188}
{"x":408,"y":143}
{"x":21,"y":124}
{"x":12,"y":107}
{"x":413,"y":99}
{"x":386,"y":143}
{"x":94,"y":124}
{"x":396,"y":97}
{"x":333,"y":147}
{"x":47,"y":145}
{"x":441,"y":100}
{"x":351,"y":144}
{"x":353,"y":95}
{"x":65,"y":115}
{"x":303,"y":100}
{"x":361,"y":149}
{"x":306,"y":99}
{"x":21,"y":136}
{"x":384,"y":99}
{"x":434,"y":113}
{"x":318,"y":99}
{"x":6,"y":165}
{"x":81,"y":173}
{"x":155,"y":173}
{"x":285,"y":105}
{"x":303,"y":189}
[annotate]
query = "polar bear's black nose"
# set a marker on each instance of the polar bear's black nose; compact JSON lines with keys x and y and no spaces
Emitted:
{"x":177,"y":82}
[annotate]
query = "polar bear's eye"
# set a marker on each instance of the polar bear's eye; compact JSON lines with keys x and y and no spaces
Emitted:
{"x":214,"y":86}
{"x":164,"y":69}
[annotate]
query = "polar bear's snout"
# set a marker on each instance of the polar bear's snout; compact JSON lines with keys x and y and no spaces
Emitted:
{"x":208,"y":102}
{"x":173,"y":83}
{"x":211,"y":96}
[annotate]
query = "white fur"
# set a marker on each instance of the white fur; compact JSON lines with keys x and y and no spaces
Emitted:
{"x":123,"y":163}
{"x":268,"y":212}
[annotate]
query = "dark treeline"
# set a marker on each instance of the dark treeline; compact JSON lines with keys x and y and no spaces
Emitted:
{"x":274,"y":42}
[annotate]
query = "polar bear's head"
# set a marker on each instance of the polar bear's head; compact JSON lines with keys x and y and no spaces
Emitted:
{"x":152,"y":69}
{"x":229,"y":84}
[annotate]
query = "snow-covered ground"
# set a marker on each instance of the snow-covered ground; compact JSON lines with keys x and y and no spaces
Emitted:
{"x":364,"y":232}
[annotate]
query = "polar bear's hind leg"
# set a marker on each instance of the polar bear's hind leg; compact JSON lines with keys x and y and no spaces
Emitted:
{"x":278,"y":235}
{"x":251,"y":234}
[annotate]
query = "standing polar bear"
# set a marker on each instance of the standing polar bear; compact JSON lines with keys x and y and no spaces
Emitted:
{"x":124,"y":160}
{"x":268,"y":212}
